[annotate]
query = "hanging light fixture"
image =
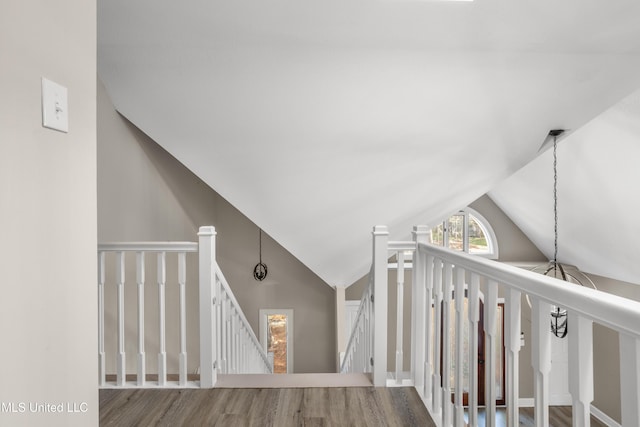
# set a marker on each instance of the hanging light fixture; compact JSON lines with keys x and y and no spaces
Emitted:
{"x":260,"y":270}
{"x":554,"y":269}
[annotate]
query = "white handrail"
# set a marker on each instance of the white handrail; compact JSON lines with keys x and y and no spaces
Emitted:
{"x":148,"y":247}
{"x":610,"y":310}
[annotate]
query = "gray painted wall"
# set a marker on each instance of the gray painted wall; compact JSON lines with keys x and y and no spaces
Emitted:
{"x":146,"y":194}
{"x":48,"y":214}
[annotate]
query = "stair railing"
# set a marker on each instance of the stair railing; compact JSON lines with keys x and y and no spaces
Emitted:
{"x":438,"y":276}
{"x":227,"y":341}
{"x":359,"y":352}
{"x":442,"y":273}
{"x":367,"y":347}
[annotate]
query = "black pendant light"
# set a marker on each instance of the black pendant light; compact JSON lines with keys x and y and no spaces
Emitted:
{"x":260,"y":270}
{"x":554,"y":269}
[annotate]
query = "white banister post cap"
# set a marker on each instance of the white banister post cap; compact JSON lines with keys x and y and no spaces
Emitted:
{"x":380,"y":230}
{"x":207,"y":230}
{"x":420,"y":229}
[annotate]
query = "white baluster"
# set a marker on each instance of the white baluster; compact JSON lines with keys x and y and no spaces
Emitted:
{"x":512,"y":356}
{"x":245,"y":359}
{"x":357,"y":355}
{"x":236,"y":347}
{"x":363,"y":349}
{"x":446,"y":344}
{"x":630,"y":379}
{"x":459,"y":328}
{"x":399,"y":317}
{"x":474,"y":318}
{"x":580,"y":336}
{"x":122,"y":371}
{"x":141,"y":354}
{"x":101,"y":353}
{"x":428,"y":313}
{"x":418,"y":316}
{"x":241,"y":367}
{"x":162,"y":352}
{"x":224,"y":301}
{"x":219,"y":324}
{"x":490,"y":328}
{"x":238,"y":341}
{"x":437,"y":339}
{"x":240,"y":347}
{"x":206,"y":261}
{"x":541,"y":359}
{"x":380,"y":304}
{"x":367,"y":351}
{"x":228,"y":337}
{"x":352,"y":357}
{"x":237,"y":338}
{"x":182,"y":281}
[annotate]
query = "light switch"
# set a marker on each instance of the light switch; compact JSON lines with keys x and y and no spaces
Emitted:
{"x":55,"y":114}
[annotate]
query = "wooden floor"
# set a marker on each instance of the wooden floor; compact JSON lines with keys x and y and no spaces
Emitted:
{"x":559,"y":416}
{"x":338,"y":406}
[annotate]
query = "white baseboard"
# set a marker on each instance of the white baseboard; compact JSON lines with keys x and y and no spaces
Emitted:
{"x":528,"y":403}
{"x":561,"y":400}
{"x":557,"y":400}
{"x":525,"y":402}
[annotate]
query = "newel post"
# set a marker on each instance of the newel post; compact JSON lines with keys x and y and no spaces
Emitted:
{"x":380,"y":283}
{"x":206,"y":266}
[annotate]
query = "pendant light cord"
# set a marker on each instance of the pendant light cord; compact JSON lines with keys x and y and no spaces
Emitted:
{"x":555,"y":202}
{"x":260,"y":246}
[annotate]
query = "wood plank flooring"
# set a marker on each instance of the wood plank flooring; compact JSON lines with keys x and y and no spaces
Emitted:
{"x":336,"y":406}
{"x":348,"y":406}
{"x":559,"y":416}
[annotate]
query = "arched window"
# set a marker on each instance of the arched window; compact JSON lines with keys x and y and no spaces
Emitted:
{"x":466,"y":231}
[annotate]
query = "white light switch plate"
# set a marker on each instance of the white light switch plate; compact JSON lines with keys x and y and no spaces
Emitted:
{"x":55,"y":114}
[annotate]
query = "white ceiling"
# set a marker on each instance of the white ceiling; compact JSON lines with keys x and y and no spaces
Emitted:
{"x":321,"y":119}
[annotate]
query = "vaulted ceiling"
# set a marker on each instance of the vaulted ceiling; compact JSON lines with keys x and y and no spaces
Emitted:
{"x":321,"y":119}
{"x":598,"y":196}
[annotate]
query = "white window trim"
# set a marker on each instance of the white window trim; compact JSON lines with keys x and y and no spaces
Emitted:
{"x":264,"y":312}
{"x":490,"y":234}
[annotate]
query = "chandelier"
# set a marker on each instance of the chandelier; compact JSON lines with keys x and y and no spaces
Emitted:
{"x":260,"y":270}
{"x":554,"y":269}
